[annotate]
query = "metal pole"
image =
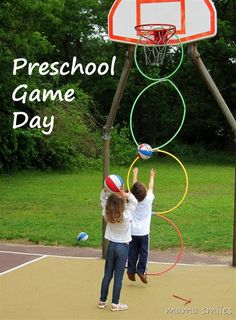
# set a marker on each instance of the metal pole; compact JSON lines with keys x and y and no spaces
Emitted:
{"x":106,"y":166}
{"x":234,"y":227}
{"x":228,"y":115}
{"x":109,"y":123}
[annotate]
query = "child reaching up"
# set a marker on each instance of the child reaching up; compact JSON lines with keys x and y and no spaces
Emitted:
{"x":140,"y":227}
{"x":117,"y":213}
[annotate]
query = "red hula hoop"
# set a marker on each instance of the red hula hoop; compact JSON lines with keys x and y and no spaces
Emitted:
{"x":181,"y":251}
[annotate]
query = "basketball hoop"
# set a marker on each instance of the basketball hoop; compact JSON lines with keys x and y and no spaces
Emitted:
{"x":154,"y":38}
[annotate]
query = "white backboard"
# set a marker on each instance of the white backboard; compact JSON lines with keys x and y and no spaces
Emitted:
{"x":194,"y":19}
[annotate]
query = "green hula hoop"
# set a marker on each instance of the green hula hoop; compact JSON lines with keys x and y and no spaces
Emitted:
{"x":135,"y":102}
{"x":166,"y":77}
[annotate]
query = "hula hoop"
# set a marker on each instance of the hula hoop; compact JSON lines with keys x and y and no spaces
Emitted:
{"x":169,"y":75}
{"x":186,"y":180}
{"x":181,"y":251}
{"x":136,"y":100}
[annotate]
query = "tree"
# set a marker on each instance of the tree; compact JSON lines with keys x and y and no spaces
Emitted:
{"x":38,"y":31}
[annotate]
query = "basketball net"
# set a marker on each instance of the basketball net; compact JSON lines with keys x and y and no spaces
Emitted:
{"x":154,"y":39}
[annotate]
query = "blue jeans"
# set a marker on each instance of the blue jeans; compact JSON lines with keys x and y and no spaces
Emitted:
{"x":138,"y":254}
{"x":117,"y":254}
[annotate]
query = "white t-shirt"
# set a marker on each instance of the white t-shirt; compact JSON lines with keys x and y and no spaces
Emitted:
{"x":141,"y":218}
{"x":120,"y":232}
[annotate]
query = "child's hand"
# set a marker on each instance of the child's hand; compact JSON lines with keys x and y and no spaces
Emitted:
{"x":135,"y":171}
{"x":153,"y":172}
{"x":123,"y":193}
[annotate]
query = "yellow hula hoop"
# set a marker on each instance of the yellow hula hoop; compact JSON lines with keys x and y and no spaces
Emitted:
{"x":128,"y":175}
{"x":186,"y":180}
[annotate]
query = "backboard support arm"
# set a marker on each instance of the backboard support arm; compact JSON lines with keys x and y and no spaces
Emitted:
{"x":108,"y":126}
{"x":195,"y":55}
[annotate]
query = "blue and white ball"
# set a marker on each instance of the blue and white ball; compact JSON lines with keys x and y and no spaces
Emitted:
{"x":83,"y":236}
{"x":144,"y":151}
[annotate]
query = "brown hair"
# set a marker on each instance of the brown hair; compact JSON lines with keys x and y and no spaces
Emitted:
{"x":114,"y":209}
{"x":139,"y":191}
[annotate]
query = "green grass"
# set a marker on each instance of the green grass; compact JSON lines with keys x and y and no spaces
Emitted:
{"x":52,"y":208}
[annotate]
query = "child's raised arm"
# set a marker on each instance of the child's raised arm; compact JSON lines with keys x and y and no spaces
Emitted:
{"x":132,"y":202}
{"x":122,"y":192}
{"x":151,"y":181}
{"x":103,"y":198}
{"x":135,"y":175}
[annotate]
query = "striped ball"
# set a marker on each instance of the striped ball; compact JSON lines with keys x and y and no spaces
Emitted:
{"x":145,"y":151}
{"x":113,"y":183}
{"x":82,"y":236}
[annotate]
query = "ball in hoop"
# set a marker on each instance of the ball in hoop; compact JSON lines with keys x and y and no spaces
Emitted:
{"x":144,"y":151}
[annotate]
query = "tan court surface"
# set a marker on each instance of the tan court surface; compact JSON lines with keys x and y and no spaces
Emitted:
{"x":68,"y":288}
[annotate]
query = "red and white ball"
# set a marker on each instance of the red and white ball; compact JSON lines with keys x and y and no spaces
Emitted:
{"x":113,"y":182}
{"x":144,"y":151}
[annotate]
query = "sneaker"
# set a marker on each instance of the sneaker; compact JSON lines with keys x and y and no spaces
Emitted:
{"x":102,"y":304}
{"x":143,"y":277}
{"x":119,"y":307}
{"x":131,"y":276}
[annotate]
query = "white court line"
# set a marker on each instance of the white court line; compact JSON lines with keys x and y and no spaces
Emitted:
{"x":70,"y":257}
{"x":24,"y":253}
{"x":50,"y":255}
{"x":99,"y":258}
{"x":22,"y":265}
{"x":191,"y":264}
